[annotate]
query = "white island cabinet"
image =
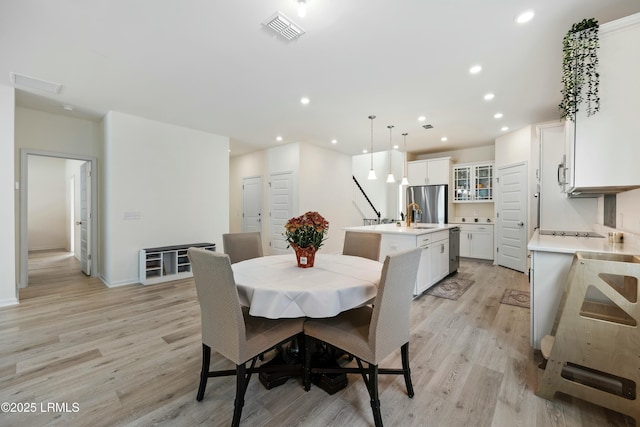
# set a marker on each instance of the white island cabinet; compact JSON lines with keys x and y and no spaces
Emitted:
{"x":433,"y":239}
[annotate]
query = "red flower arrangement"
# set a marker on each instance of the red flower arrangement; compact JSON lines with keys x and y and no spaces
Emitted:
{"x":307,"y":230}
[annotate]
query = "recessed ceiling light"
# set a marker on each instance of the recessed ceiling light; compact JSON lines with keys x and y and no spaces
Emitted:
{"x":422,"y":118}
{"x":475,"y":69}
{"x":278,"y":138}
{"x":489,"y":96}
{"x":498,"y":115}
{"x":302,"y":8}
{"x":443,"y":139}
{"x":395,"y":147}
{"x":67,"y":107}
{"x":334,"y":141}
{"x":304,"y":100}
{"x":504,"y":128}
{"x":364,"y":151}
{"x":525,"y":16}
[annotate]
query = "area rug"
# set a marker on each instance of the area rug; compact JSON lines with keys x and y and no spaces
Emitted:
{"x":450,"y":288}
{"x":517,"y":298}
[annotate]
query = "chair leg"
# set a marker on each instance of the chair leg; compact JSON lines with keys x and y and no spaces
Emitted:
{"x":373,"y":393}
{"x":204,"y":373}
{"x":306,"y":365}
{"x":404,"y":351}
{"x":241,"y":388}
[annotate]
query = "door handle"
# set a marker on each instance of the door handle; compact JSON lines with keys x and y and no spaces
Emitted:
{"x":78,"y":222}
{"x":520,"y":224}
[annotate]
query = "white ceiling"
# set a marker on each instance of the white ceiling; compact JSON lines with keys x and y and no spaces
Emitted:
{"x":211,"y":65}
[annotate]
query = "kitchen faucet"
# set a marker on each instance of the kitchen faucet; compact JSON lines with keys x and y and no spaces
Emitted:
{"x":409,"y":209}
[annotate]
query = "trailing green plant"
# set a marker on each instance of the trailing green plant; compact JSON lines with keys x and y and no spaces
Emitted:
{"x":580,"y":77}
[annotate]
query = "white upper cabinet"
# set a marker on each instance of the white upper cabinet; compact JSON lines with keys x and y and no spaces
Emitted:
{"x":473,"y":183}
{"x":429,"y":172}
{"x":606,"y":147}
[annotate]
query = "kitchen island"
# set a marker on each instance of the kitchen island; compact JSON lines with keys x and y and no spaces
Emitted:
{"x":551,"y":258}
{"x":433,"y":239}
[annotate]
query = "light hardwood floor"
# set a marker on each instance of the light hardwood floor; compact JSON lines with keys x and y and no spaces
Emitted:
{"x":131,"y":356}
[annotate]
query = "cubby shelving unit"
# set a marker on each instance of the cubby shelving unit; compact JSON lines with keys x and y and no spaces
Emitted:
{"x":166,"y":263}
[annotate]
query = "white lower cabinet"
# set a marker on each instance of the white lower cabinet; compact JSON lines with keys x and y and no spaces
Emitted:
{"x":434,"y":260}
{"x":549,"y":272}
{"x":439,"y":260}
{"x":476,"y":241}
{"x":423,"y":279}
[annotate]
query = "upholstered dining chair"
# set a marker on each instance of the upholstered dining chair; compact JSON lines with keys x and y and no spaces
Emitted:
{"x":242,"y":246}
{"x":365,"y":245}
{"x":372,"y":333}
{"x":228,"y":328}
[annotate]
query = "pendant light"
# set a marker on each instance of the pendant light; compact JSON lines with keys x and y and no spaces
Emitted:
{"x":405,"y":181}
{"x":372,"y":173}
{"x":390,"y":177}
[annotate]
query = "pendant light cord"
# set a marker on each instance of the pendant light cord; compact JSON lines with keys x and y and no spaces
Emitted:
{"x":371,"y":118}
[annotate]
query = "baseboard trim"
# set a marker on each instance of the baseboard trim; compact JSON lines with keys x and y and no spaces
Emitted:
{"x":8,"y":301}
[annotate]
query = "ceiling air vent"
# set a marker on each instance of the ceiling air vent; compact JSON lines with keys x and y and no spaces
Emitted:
{"x":427,"y":126}
{"x":33,"y":83}
{"x":283,"y":26}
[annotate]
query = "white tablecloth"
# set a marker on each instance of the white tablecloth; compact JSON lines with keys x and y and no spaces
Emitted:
{"x":275,"y":287}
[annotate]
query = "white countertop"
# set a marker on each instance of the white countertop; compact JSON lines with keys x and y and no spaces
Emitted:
{"x":572,"y":244}
{"x":416,"y":230}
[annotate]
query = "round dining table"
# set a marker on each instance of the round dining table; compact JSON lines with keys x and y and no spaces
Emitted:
{"x":275,"y":287}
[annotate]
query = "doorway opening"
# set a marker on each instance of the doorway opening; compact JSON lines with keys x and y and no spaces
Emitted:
{"x":57,"y":201}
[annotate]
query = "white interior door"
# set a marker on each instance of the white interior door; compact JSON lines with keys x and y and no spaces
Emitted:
{"x":281,"y":209}
{"x":512,"y":217}
{"x":85,"y":218}
{"x":252,"y":204}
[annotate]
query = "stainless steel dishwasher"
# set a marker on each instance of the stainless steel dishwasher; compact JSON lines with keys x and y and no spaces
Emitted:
{"x":454,"y":249}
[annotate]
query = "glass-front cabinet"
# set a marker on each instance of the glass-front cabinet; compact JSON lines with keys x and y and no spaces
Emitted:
{"x":473,"y":183}
{"x":462,"y":184}
{"x":483,"y":183}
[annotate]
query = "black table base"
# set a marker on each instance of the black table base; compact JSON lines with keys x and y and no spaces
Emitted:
{"x":323,"y":356}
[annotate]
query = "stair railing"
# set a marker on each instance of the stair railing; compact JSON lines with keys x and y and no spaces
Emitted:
{"x":359,"y":192}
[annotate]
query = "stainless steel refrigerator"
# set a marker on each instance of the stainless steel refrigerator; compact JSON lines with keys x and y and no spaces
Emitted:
{"x":433,"y":202}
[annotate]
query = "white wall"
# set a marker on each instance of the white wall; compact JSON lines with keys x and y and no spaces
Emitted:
{"x":8,"y":245}
{"x":176,"y":179}
{"x":326,"y":187}
{"x":628,"y":211}
{"x":47,"y":206}
{"x":484,"y":153}
{"x":37,"y":130}
{"x":513,"y":147}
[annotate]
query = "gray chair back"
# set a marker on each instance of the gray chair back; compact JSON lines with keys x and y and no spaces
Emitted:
{"x":365,"y":245}
{"x":242,"y":246}
{"x":389,"y":327}
{"x":223,"y":327}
